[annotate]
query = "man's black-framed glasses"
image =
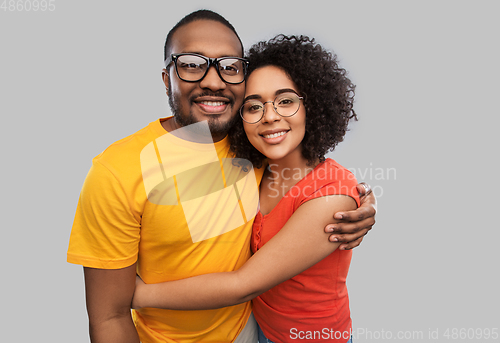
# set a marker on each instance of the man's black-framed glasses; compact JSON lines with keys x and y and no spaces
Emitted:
{"x":285,"y":104}
{"x":193,"y":67}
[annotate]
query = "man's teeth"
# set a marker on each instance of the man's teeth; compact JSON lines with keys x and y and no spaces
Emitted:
{"x":274,"y":135}
{"x":213,"y":103}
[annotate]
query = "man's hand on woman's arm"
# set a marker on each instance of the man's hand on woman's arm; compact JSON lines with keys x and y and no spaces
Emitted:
{"x":354,"y":225}
{"x":109,"y":295}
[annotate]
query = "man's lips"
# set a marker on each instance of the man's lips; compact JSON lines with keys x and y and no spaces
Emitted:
{"x":212,"y":105}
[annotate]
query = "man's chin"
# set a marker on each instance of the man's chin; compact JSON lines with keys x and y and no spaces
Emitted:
{"x":218,"y":124}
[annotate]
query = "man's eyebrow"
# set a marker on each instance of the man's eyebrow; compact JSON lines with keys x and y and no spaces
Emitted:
{"x":199,"y":53}
{"x":191,"y":52}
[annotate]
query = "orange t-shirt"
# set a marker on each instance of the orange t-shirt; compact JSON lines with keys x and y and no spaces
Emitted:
{"x":313,"y":306}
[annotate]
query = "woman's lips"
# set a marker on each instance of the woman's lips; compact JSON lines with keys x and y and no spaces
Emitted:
{"x":274,"y":137}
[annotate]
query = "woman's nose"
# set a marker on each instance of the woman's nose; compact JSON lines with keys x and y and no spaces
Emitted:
{"x":270,"y":114}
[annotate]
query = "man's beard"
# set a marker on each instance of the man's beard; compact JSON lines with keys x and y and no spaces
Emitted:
{"x":217,"y":127}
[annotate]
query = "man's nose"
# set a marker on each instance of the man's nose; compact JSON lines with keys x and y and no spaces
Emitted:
{"x":212,"y":80}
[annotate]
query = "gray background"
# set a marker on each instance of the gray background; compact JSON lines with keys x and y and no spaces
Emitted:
{"x":76,"y":79}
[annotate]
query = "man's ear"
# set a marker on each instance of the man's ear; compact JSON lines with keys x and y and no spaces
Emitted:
{"x":164,"y":77}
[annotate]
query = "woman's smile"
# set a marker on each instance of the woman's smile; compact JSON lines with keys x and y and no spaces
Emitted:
{"x":274,"y":136}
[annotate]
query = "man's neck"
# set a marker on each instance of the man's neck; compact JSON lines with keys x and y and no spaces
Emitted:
{"x":198,"y":132}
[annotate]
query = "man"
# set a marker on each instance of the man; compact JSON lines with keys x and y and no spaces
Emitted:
{"x":143,"y":206}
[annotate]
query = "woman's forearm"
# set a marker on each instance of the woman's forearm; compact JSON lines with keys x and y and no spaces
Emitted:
{"x":201,"y":292}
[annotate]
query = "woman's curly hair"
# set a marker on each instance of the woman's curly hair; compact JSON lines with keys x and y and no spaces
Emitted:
{"x":329,"y":95}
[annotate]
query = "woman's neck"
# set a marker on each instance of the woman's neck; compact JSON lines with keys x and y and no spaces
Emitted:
{"x":280,"y":176}
{"x":291,"y":167}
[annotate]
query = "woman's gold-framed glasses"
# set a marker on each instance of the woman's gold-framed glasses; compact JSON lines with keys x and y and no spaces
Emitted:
{"x":285,"y":104}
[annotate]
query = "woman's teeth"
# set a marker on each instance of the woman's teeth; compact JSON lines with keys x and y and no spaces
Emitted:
{"x":274,"y":135}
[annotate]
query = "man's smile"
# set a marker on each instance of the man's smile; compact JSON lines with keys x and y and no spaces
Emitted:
{"x":210,"y":104}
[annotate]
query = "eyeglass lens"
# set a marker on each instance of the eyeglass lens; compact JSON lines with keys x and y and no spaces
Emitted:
{"x":194,"y":68}
{"x":286,"y":105}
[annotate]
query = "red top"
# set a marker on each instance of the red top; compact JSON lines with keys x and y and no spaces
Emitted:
{"x":316,"y":299}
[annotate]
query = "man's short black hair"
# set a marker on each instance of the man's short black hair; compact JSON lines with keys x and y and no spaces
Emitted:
{"x":198,"y":15}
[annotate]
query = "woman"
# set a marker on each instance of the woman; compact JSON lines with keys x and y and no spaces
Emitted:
{"x":297,"y":107}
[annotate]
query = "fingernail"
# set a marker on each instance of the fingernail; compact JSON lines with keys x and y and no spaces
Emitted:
{"x":335,"y":239}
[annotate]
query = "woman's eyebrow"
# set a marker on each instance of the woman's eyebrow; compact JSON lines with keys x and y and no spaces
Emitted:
{"x":285,"y":90}
{"x":278,"y":92}
{"x":253,"y":96}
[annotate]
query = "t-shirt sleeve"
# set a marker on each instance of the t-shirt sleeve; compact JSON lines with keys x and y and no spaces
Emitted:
{"x":330,"y":181}
{"x":105,"y":233}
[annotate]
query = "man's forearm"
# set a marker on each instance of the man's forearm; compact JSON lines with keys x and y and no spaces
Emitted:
{"x":119,"y":329}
